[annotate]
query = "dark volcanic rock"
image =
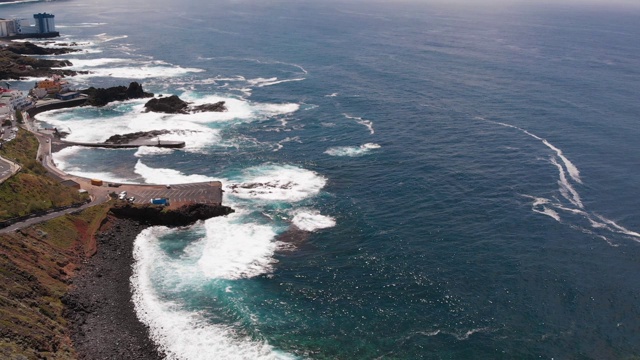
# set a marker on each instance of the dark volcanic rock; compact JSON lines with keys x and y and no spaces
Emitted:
{"x":174,"y":105}
{"x":101,"y":97}
{"x":127,"y":138}
{"x":217,"y":107}
{"x":99,"y":309}
{"x":13,"y":65}
{"x":27,"y":48}
{"x":99,"y":306}
{"x":170,"y":105}
{"x":156,"y":215}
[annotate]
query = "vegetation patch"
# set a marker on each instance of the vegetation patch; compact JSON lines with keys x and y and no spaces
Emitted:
{"x":36,"y":265}
{"x":31,"y":190}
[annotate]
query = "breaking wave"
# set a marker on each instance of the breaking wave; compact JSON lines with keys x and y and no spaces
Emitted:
{"x":276,"y":183}
{"x":179,"y":333}
{"x":352,"y":151}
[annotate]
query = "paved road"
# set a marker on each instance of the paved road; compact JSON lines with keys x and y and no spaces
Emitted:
{"x":53,"y":215}
{"x":7,"y":169}
{"x":207,"y":192}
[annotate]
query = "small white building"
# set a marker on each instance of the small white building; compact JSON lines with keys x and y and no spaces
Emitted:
{"x":5,"y":111}
{"x":44,"y":24}
{"x":19,"y":101}
{"x":7,"y":27}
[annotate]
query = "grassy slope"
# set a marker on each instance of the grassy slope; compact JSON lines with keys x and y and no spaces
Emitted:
{"x":36,"y":263}
{"x":35,"y":266}
{"x":31,"y":190}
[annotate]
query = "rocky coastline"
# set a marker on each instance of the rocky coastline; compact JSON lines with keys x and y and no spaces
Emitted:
{"x":103,"y":96}
{"x":16,"y":62}
{"x":174,"y":105}
{"x":102,"y":320}
{"x":98,"y":307}
{"x":84,"y":293}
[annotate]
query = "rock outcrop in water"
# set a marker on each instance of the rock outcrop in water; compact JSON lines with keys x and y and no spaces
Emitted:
{"x":174,"y":105}
{"x":101,"y":96}
{"x":169,"y":105}
{"x":15,"y":64}
{"x":28,"y":48}
{"x":127,"y":138}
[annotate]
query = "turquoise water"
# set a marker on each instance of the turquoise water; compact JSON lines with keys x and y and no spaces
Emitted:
{"x":411,"y":180}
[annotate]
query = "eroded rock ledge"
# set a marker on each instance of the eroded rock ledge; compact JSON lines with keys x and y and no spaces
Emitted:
{"x":174,"y":105}
{"x":103,"y":96}
{"x":16,"y":64}
{"x":149,"y":214}
{"x":127,"y":138}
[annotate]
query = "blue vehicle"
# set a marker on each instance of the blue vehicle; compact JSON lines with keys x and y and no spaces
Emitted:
{"x":160,"y":201}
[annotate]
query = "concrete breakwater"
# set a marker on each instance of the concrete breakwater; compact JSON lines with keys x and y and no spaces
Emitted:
{"x":55,"y":104}
{"x":133,"y":144}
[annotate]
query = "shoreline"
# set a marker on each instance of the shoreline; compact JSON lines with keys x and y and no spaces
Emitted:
{"x":99,"y":307}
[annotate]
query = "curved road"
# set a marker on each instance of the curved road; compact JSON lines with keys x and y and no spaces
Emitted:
{"x":207,"y":192}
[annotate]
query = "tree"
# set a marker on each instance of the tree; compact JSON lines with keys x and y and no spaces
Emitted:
{"x":19,"y":117}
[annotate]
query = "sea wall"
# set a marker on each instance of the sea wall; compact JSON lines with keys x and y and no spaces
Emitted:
{"x":62,"y":299}
{"x":56,"y":105}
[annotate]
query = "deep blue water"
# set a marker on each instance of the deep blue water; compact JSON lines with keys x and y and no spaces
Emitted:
{"x":470,"y":174}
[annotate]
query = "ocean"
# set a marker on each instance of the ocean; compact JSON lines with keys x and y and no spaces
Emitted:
{"x":411,"y":180}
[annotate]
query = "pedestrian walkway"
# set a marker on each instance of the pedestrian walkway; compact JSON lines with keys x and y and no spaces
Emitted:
{"x":7,"y":169}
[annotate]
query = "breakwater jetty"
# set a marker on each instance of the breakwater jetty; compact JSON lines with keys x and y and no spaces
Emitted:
{"x":55,"y":104}
{"x":133,"y":144}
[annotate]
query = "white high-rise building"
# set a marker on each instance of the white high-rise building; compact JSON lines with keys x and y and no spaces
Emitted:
{"x":45,"y":23}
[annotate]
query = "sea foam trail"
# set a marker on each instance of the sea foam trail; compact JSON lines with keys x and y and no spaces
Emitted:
{"x":182,"y":334}
{"x":571,"y":168}
{"x":361,"y":121}
{"x":551,"y":208}
{"x":352,"y":151}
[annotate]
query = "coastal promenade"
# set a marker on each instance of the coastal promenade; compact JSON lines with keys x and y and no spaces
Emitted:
{"x":101,"y":191}
{"x":203,"y":192}
{"x":54,"y":104}
{"x":7,"y":169}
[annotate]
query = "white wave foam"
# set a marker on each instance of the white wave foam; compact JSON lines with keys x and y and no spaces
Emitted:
{"x":81,"y":64}
{"x":352,"y":151}
{"x":567,"y":191}
{"x":167,"y":176}
{"x":152,"y":150}
{"x":619,"y":228}
{"x":139,"y":72}
{"x":61,"y":160}
{"x":571,"y":168}
{"x":539,"y":207}
{"x":280,"y":144}
{"x":277,"y":183}
{"x":332,"y":95}
{"x":262,"y":82}
{"x":458,"y":335}
{"x":361,"y":121}
{"x":104,"y":37}
{"x":181,"y":334}
{"x":236,"y":250}
{"x":89,"y":124}
{"x":311,"y":220}
{"x":18,"y":2}
{"x":80,"y":25}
